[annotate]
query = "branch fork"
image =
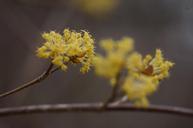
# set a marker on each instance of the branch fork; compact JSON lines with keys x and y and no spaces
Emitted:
{"x":110,"y":105}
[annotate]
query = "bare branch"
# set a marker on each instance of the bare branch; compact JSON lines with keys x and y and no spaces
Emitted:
{"x":114,"y":92}
{"x":40,"y":78}
{"x":93,"y":107}
{"x":122,"y":100}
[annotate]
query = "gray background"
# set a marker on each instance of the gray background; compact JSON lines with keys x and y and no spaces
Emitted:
{"x":165,"y":24}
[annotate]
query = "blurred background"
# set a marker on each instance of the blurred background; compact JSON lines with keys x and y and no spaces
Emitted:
{"x":164,"y":24}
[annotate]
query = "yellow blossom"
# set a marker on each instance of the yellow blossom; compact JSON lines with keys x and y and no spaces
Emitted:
{"x":69,"y":47}
{"x":96,"y":7}
{"x":114,"y":61}
{"x":143,"y":74}
{"x":137,"y":88}
{"x":142,"y":102}
{"x":156,"y":67}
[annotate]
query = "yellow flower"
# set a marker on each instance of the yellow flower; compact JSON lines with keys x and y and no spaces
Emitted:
{"x":69,"y":47}
{"x":114,"y":61}
{"x":144,"y":74}
{"x":96,"y":7}
{"x":137,"y":88}
{"x":141,"y":103}
{"x":157,"y":67}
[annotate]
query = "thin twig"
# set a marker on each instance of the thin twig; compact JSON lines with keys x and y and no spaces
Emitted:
{"x":40,"y":78}
{"x":113,"y":93}
{"x":93,"y":107}
{"x":121,"y":100}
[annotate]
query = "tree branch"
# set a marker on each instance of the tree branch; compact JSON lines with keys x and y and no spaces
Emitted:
{"x":121,"y":100}
{"x":40,"y":78}
{"x":114,"y":92}
{"x":93,"y":107}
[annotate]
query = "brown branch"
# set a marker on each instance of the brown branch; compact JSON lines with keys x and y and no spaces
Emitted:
{"x":40,"y":78}
{"x":113,"y":93}
{"x":93,"y":107}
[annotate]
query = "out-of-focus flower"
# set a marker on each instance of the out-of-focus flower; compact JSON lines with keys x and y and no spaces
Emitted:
{"x":114,"y":61}
{"x":96,"y":7}
{"x":156,"y":67}
{"x":143,"y":74}
{"x":137,"y":88}
{"x":69,"y":47}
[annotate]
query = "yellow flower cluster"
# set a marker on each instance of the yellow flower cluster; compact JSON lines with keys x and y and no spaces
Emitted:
{"x":156,"y":67}
{"x":96,"y":7}
{"x":69,"y":47}
{"x":144,"y":74}
{"x":112,"y":63}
